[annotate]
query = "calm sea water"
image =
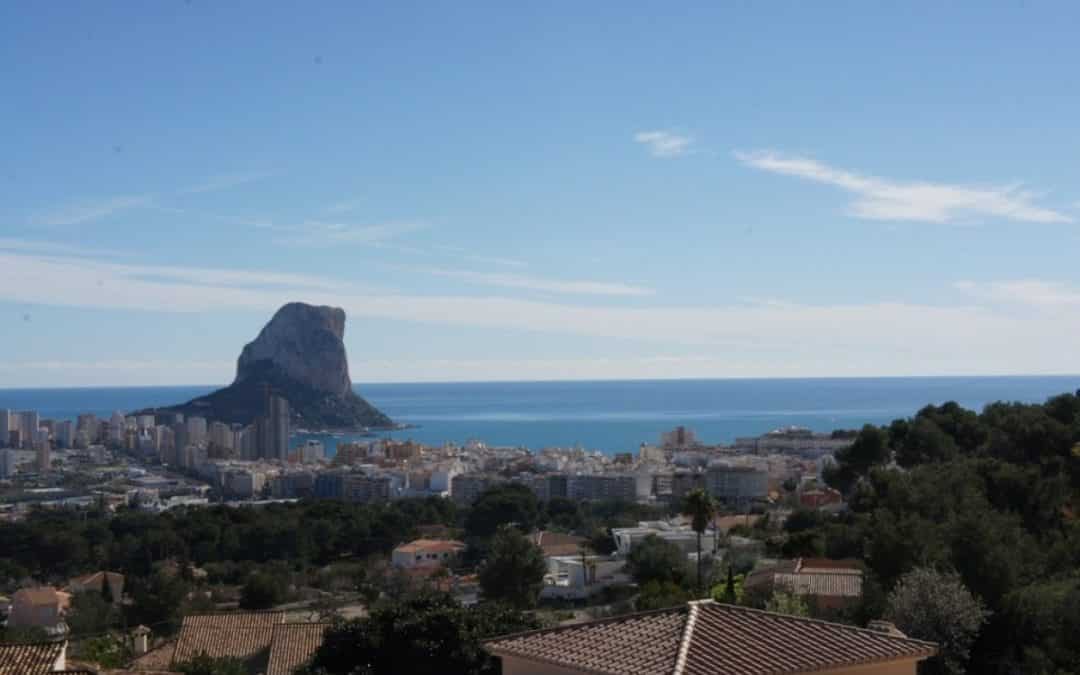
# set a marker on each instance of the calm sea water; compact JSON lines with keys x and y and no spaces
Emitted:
{"x":608,"y":416}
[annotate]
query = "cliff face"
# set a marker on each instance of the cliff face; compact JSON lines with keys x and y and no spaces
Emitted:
{"x":305,"y":343}
{"x":299,"y":355}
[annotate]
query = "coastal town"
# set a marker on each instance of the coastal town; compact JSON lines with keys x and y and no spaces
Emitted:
{"x":136,"y":461}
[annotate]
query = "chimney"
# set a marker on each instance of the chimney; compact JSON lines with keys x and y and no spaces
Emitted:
{"x":142,"y":639}
{"x":887,"y":627}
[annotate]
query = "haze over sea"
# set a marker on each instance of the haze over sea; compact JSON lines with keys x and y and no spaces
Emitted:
{"x":612,"y":416}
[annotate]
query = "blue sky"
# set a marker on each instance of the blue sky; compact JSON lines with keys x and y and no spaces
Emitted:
{"x":733,"y":189}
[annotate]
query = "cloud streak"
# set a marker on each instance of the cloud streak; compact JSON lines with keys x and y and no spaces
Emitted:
{"x":224,"y":182}
{"x":532,"y":283}
{"x":83,"y":212}
{"x":872,"y":338}
{"x":664,"y":144}
{"x":316,"y":233}
{"x":1034,"y":293}
{"x":883,"y":199}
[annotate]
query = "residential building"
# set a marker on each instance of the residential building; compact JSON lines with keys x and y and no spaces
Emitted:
{"x":357,"y":487}
{"x":292,"y":485}
{"x":197,"y":430}
{"x":832,"y":584}
{"x":707,"y":637}
{"x":310,"y":452}
{"x":5,"y":427}
{"x":42,"y":456}
{"x":29,"y":423}
{"x":36,"y":658}
{"x":602,"y":486}
{"x":263,"y":642}
{"x":426,"y":553}
{"x":736,"y":484}
{"x":466,"y":487}
{"x":221,"y":437}
{"x":8,"y":460}
{"x":97,"y":582}
{"x":575,"y":577}
{"x":348,"y":454}
{"x":272,"y":429}
{"x":793,"y":440}
{"x":117,"y":426}
{"x":65,"y":434}
{"x":43,"y":607}
{"x":626,"y":538}
{"x":679,"y":437}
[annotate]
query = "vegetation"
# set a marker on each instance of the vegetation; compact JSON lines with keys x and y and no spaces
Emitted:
{"x":991,"y":495}
{"x":654,"y":559}
{"x":426,"y":634}
{"x":935,"y":606}
{"x":514,"y":569}
{"x":701,"y":508}
{"x":205,"y":665}
{"x":787,"y":603}
{"x":661,"y":594}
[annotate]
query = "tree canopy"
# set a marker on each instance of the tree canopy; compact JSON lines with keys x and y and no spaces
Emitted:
{"x":426,"y":634}
{"x":514,"y":569}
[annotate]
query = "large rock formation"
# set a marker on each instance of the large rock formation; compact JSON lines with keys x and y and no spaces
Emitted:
{"x":300,"y":356}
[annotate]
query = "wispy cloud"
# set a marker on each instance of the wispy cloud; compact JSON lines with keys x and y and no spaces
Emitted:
{"x":663,"y":143}
{"x":883,"y":199}
{"x":462,"y":253}
{"x":73,"y":214}
{"x":1036,"y":293}
{"x":347,"y":206}
{"x":531,"y":283}
{"x":316,"y":233}
{"x":795,"y":339}
{"x":56,"y":248}
{"x":225,"y":181}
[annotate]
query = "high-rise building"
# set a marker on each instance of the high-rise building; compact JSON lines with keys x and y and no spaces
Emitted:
{"x":145,"y":422}
{"x":65,"y":434}
{"x":272,"y":429}
{"x":196,"y":430}
{"x":44,"y":456}
{"x":7,"y":463}
{"x":117,"y":426}
{"x":221,"y":436}
{"x":29,"y":421}
{"x":5,"y":427}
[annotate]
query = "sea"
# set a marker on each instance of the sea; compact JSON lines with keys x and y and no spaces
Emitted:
{"x":609,"y":416}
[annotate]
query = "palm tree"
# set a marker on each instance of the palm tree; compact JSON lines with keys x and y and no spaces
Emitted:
{"x":701,"y":508}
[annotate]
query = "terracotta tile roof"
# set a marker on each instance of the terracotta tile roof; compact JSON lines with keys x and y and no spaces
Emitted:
{"x":30,"y":658}
{"x":158,"y":658}
{"x":709,"y":639}
{"x":431,"y":546}
{"x":243,"y":636}
{"x":43,"y":596}
{"x":823,"y":584}
{"x":554,"y":543}
{"x":730,"y":639}
{"x":293,"y":645}
{"x":639,"y":644}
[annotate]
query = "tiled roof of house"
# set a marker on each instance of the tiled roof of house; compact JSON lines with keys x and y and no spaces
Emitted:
{"x":158,"y":658}
{"x":708,"y":639}
{"x":824,"y":584}
{"x":293,"y":645}
{"x":431,"y":546}
{"x":639,"y":644}
{"x":812,"y":576}
{"x":555,"y":543}
{"x":40,"y":597}
{"x":29,"y":658}
{"x":242,"y":636}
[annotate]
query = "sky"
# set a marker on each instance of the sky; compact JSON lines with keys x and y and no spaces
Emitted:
{"x":556,"y":191}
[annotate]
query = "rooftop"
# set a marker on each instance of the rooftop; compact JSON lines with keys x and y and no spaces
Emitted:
{"x":293,"y":645}
{"x":431,"y":546}
{"x":707,"y":637}
{"x":29,"y":658}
